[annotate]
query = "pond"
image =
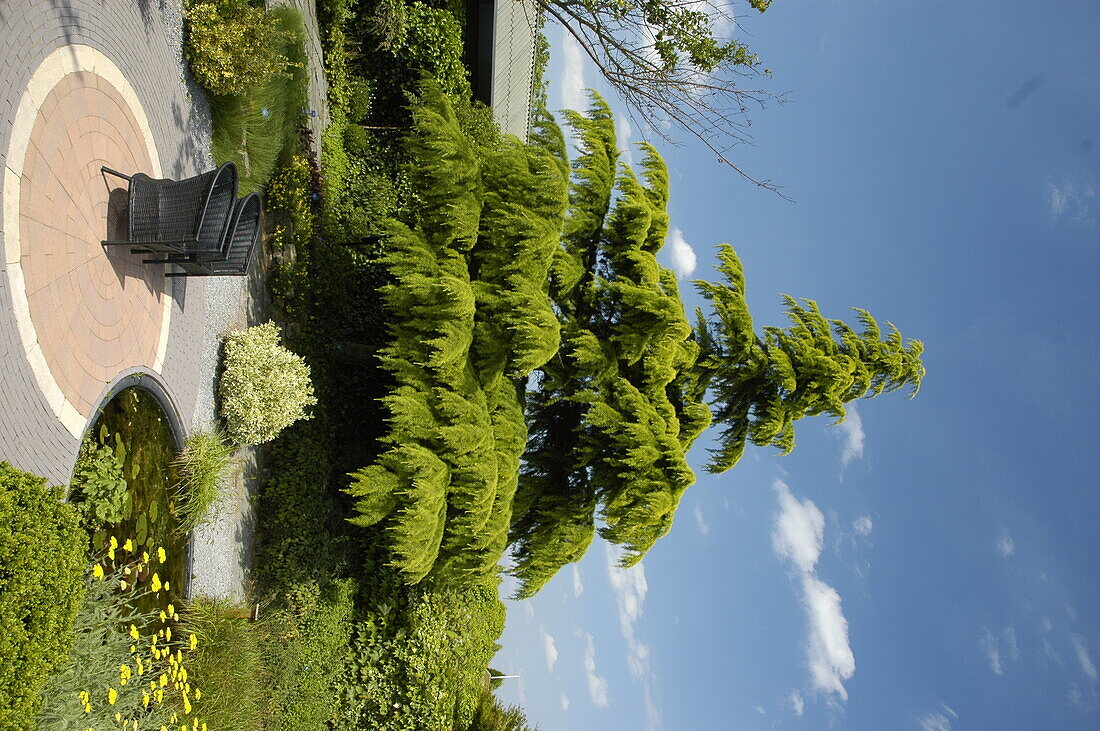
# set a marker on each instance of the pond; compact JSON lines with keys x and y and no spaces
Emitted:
{"x":135,"y":420}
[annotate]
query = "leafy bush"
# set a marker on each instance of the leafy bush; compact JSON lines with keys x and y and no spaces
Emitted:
{"x":228,"y":665}
{"x":41,"y":566}
{"x":124,"y":640}
{"x":264,"y":387}
{"x":312,"y":641}
{"x":492,"y":715}
{"x":231,"y":44}
{"x":434,"y":45}
{"x":201,"y":467}
{"x":99,"y":477}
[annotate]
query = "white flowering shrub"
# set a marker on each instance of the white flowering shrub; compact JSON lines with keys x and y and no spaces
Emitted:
{"x":264,"y":388}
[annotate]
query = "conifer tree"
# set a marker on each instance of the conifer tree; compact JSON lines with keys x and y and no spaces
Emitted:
{"x":617,"y":408}
{"x":763,"y":384}
{"x":470,"y":318}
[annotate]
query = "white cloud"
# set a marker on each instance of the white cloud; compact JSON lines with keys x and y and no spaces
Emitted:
{"x":990,"y":646}
{"x":1083,"y":656}
{"x":564,"y":702}
{"x":700,"y":519}
{"x":597,"y":684}
{"x":683,"y":256}
{"x":572,"y":77}
{"x":1071,"y":200}
{"x":1005,"y":545}
{"x":799,"y":530}
{"x":760,"y":710}
{"x":1046,"y":625}
{"x":578,"y":587}
{"x":528,"y":610}
{"x":934,"y":721}
{"x":630,"y":588}
{"x":797,"y":703}
{"x":550,"y":649}
{"x":828,"y":651}
{"x":863,"y":525}
{"x":949,"y":709}
{"x":851,"y":431}
{"x":798,"y":536}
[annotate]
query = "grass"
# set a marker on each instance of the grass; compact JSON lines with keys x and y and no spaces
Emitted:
{"x":229,"y":665}
{"x":201,"y":467}
{"x":253,"y":128}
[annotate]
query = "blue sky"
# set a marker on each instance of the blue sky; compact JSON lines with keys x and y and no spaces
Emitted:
{"x":930,"y":564}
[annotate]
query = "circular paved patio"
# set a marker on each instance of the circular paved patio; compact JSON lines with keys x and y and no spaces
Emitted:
{"x":84,"y":85}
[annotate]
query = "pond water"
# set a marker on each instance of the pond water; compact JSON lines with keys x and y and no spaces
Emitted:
{"x":134,"y":418}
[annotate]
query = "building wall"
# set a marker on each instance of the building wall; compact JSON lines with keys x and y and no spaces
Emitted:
{"x":513,"y":59}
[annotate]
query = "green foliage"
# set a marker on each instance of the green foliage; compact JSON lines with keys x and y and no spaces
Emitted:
{"x":98,"y":475}
{"x":763,"y":385}
{"x":492,"y":715}
{"x":231,"y":43}
{"x":616,"y":411}
{"x":254,"y":124}
{"x":264,"y":387}
{"x":418,"y":656}
{"x":309,"y":641}
{"x":471,"y":318}
{"x":41,"y":587}
{"x":201,"y":467}
{"x":229,"y":664}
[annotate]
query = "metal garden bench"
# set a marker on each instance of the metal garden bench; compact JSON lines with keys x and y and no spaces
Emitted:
{"x":185,"y":219}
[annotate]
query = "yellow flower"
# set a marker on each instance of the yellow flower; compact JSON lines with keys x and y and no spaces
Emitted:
{"x":118,"y":716}
{"x":111,"y":553}
{"x":112,"y":696}
{"x":133,"y":649}
{"x":186,"y":706}
{"x":194,"y":641}
{"x":198,"y":694}
{"x":163,"y":617}
{"x":168,"y":632}
{"x":140,"y":667}
{"x":156,"y":585}
{"x":145,"y":699}
{"x":122,"y":584}
{"x":145,"y":557}
{"x":161,"y":555}
{"x":128,"y":546}
{"x":134,"y":633}
{"x":166,"y":587}
{"x":114,"y":542}
{"x":97,"y":572}
{"x":171,"y":610}
{"x":163,"y":679}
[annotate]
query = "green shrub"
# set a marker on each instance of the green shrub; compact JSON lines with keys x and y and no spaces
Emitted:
{"x":312,"y":635}
{"x":434,"y":45}
{"x":103,"y":497}
{"x":228,"y":665}
{"x":201,"y":467}
{"x":41,"y":586}
{"x":492,"y":715}
{"x":264,"y":387}
{"x":232,"y":44}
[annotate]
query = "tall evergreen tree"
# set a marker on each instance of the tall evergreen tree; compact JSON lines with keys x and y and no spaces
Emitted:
{"x":616,"y":409}
{"x":470,"y":318}
{"x":762,"y":385}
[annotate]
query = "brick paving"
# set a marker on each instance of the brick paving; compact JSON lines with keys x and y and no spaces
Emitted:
{"x":96,"y":318}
